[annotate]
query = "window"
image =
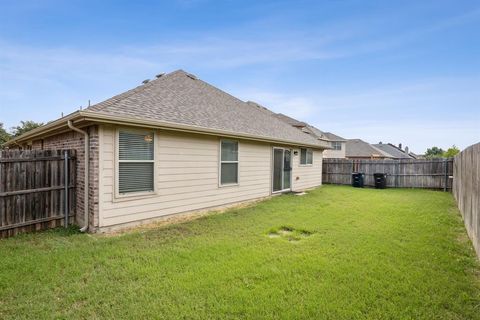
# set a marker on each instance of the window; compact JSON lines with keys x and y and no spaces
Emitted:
{"x":228,"y":162}
{"x":135,"y":162}
{"x":306,"y":156}
{"x":336,"y":145}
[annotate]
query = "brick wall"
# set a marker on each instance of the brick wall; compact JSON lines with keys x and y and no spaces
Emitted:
{"x":75,"y":140}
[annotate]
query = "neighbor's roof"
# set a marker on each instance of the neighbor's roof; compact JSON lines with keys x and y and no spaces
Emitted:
{"x":333,"y":137}
{"x":179,"y":100}
{"x":360,"y":148}
{"x":303,"y":126}
{"x":392,"y":150}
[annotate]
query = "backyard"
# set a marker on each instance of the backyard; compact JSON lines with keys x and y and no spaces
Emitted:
{"x":335,"y":253}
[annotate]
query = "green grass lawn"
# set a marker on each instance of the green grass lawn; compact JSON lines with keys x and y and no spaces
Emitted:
{"x":335,"y":253}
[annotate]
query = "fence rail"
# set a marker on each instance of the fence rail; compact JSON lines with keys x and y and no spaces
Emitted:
{"x":466,"y":190}
{"x":430,"y":174}
{"x":36,"y":190}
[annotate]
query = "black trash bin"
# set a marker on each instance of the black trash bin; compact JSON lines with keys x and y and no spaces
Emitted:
{"x":357,"y":179}
{"x":380,"y":180}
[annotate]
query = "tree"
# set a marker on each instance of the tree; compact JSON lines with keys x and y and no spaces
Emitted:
{"x":434,"y":152}
{"x":451,"y":152}
{"x":4,"y":135}
{"x":25,"y":126}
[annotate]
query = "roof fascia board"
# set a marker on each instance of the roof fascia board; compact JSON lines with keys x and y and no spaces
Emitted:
{"x":47,"y":129}
{"x":90,"y":116}
{"x":44,"y":130}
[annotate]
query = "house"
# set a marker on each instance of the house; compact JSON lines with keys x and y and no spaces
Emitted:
{"x":396,"y":152}
{"x":175,"y":145}
{"x":339,"y":146}
{"x":359,"y":149}
{"x":416,"y":156}
{"x":337,"y":143}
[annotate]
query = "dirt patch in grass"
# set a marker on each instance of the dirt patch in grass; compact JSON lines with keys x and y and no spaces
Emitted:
{"x":289,"y":233}
{"x":273,"y":235}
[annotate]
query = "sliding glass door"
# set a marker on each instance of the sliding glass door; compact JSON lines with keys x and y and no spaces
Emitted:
{"x":287,"y":169}
{"x":282,"y":169}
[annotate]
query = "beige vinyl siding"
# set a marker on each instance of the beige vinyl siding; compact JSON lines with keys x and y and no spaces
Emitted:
{"x":339,"y":154}
{"x":187,"y":176}
{"x":187,"y":169}
{"x":309,"y":176}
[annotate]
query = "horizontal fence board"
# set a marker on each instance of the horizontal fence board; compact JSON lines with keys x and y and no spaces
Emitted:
{"x":31,"y":159}
{"x":32,"y":189}
{"x":429,"y":174}
{"x":19,"y":192}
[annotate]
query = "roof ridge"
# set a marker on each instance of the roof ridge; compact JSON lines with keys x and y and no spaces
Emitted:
{"x":396,"y":147}
{"x":392,"y":149}
{"x":176,"y":92}
{"x":248,"y":105}
{"x":334,"y":137}
{"x":124,"y":95}
{"x":381,"y":151}
{"x":230,"y":95}
{"x":312,"y":126}
{"x":371,"y":147}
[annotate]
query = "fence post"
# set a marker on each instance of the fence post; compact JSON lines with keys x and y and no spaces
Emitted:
{"x":445,"y":165}
{"x":66,"y":204}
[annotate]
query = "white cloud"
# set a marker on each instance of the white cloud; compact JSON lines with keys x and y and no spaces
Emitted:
{"x":39,"y":83}
{"x":43,"y":82}
{"x":421,"y":113}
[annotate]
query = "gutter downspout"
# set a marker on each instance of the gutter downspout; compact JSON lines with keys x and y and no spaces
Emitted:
{"x":86,"y":171}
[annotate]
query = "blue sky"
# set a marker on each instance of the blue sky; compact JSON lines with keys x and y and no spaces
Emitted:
{"x":391,"y":71}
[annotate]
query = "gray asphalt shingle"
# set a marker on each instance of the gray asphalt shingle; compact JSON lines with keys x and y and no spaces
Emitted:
{"x":360,"y":148}
{"x":333,"y":137}
{"x":394,"y":151}
{"x":179,"y":97}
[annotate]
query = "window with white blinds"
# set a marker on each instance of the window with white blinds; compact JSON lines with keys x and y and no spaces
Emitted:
{"x":135,"y":161}
{"x":228,"y":162}
{"x":306,"y":156}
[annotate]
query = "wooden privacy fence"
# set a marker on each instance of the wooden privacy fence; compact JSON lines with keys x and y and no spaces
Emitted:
{"x":429,"y":173}
{"x":36,"y":189}
{"x":466,"y":190}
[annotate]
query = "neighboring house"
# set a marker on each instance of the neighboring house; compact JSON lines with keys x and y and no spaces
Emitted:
{"x":177,"y":144}
{"x":394,"y":151}
{"x":351,"y":149}
{"x":339,"y":146}
{"x":416,"y":156}
{"x":359,"y":149}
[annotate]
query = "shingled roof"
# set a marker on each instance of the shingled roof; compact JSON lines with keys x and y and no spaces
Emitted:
{"x":360,"y":148}
{"x":393,"y":150}
{"x":182,"y":98}
{"x":307,"y":128}
{"x":291,"y":121}
{"x":333,"y":137}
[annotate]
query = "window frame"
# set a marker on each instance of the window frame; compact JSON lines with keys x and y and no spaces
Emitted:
{"x":137,"y":194}
{"x":306,"y":164}
{"x":337,"y":143}
{"x":292,"y":154}
{"x":220,"y":162}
